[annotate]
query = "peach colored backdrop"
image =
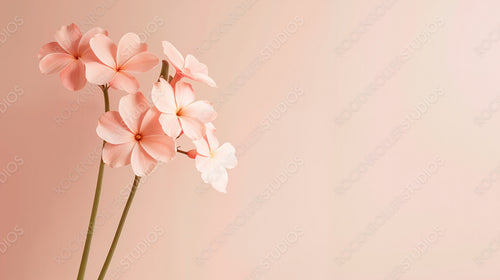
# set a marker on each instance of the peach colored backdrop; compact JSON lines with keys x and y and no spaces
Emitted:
{"x":367,"y":133}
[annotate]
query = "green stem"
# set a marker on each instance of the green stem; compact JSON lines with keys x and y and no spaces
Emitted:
{"x":97,"y":195}
{"x":106,"y":97}
{"x":111,"y":251}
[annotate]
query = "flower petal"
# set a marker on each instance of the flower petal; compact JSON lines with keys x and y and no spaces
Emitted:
{"x":104,"y":49}
{"x":52,"y":47}
{"x":193,"y":128}
{"x":184,"y":94}
{"x":73,"y":76}
{"x":150,"y":124}
{"x":202,"y":147}
{"x":225,"y":155}
{"x":132,"y":108}
{"x":210,"y":127}
{"x":170,"y":125}
{"x":163,"y":97}
{"x":204,"y":164}
{"x":84,"y":44}
{"x":142,"y":163}
{"x":204,"y":79}
{"x":195,"y":66}
{"x":213,"y":142}
{"x":68,"y":37}
{"x":117,"y":155}
{"x":160,"y":147}
{"x":112,"y":129}
{"x":173,"y":55}
{"x":217,"y":177}
{"x":98,"y":73}
{"x":89,"y":56}
{"x":197,"y":71}
{"x":142,"y":62}
{"x":201,"y":110}
{"x":125,"y":81}
{"x":129,"y":46}
{"x":55,"y":62}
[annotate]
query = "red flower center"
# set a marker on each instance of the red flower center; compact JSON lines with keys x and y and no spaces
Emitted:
{"x":138,"y":137}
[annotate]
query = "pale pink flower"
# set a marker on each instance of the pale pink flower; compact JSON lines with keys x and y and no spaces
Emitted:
{"x":134,"y":135}
{"x":180,"y":113}
{"x":190,"y":67}
{"x":212,"y":160}
{"x":115,"y":63}
{"x":68,"y":54}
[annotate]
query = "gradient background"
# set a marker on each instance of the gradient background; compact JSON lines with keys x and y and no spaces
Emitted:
{"x":367,"y":136}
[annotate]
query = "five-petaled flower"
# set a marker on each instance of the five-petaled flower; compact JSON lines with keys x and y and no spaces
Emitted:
{"x":69,"y":53}
{"x":179,"y":111}
{"x":134,"y":135}
{"x":212,"y":160}
{"x":190,"y":67}
{"x":115,"y":63}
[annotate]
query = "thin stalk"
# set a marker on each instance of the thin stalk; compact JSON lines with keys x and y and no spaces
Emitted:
{"x":111,"y":251}
{"x":182,"y":152}
{"x":164,"y":70}
{"x":97,"y":195}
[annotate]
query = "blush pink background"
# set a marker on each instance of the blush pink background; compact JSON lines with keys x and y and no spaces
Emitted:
{"x":282,"y":84}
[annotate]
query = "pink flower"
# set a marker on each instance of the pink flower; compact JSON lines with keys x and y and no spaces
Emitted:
{"x":68,"y":54}
{"x":212,"y":160}
{"x":180,"y":113}
{"x":190,"y":67}
{"x":116,"y":62}
{"x":134,"y":135}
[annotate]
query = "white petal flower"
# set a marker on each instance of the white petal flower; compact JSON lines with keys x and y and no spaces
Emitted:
{"x":212,"y":160}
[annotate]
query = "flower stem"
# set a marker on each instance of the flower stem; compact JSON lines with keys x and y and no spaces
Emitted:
{"x":111,"y":251}
{"x":97,"y":195}
{"x":106,"y":97}
{"x":164,"y":70}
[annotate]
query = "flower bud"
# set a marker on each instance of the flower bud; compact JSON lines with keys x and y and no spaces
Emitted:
{"x":192,"y":153}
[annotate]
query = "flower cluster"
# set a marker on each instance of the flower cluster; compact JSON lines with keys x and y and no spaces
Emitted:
{"x":139,"y":133}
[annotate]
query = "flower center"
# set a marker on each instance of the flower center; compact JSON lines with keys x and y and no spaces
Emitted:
{"x":138,"y":137}
{"x":179,"y":112}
